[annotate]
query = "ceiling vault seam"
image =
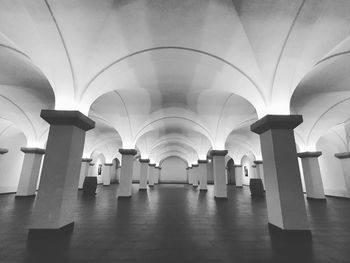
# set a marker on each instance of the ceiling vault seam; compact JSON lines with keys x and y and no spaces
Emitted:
{"x":324,"y":113}
{"x":283,"y":48}
{"x":127,"y":112}
{"x":64,"y":46}
{"x":249,"y":78}
{"x":23,"y":112}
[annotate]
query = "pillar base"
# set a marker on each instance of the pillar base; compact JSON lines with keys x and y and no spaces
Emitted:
{"x":143,"y":189}
{"x":195,"y":186}
{"x":292,"y":234}
{"x":316,"y":199}
{"x":38,"y":233}
{"x":203,"y":190}
{"x":24,"y":196}
{"x":220,"y":198}
{"x":124,"y":197}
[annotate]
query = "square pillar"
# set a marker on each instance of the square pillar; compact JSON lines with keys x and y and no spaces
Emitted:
{"x":220,"y":187}
{"x":151,"y":174}
{"x":238,"y":175}
{"x":312,"y":175}
{"x":284,"y":195}
{"x":190,"y":175}
{"x":107,"y":173}
{"x":143,"y":173}
{"x":345,"y":162}
{"x":125,"y":181}
{"x":118,"y":174}
{"x":195,"y":175}
{"x":55,"y":204}
{"x":84,"y":171}
{"x":158,"y":173}
{"x":260,"y":171}
{"x":202,"y":172}
{"x":28,"y":180}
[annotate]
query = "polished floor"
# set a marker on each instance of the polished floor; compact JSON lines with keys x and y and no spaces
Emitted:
{"x":175,"y":223}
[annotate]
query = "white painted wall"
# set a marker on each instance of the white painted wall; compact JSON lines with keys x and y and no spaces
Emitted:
{"x":246,"y":161}
{"x":173,"y":171}
{"x":331,"y":170}
{"x":136,"y":171}
{"x":11,"y":162}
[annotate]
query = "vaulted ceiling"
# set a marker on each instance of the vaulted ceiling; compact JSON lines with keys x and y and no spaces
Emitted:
{"x":174,"y":77}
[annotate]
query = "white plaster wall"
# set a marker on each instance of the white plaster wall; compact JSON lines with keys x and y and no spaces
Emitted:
{"x":331,"y":170}
{"x":11,"y":162}
{"x":248,"y":163}
{"x":99,"y":159}
{"x":173,"y":171}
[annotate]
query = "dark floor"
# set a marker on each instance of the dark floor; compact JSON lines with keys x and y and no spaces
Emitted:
{"x":175,"y":223}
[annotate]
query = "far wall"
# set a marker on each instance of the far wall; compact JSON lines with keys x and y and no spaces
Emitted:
{"x":173,"y":171}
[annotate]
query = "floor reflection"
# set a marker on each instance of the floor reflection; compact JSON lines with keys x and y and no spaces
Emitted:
{"x":174,"y":223}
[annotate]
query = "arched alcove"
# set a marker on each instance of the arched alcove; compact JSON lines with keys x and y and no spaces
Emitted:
{"x":173,"y":170}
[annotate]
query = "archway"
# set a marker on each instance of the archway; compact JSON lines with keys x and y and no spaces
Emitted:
{"x":173,"y":170}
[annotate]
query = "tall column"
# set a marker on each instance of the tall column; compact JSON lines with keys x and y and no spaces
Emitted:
{"x":158,"y":173}
{"x":195,"y":175}
{"x":54,"y":208}
{"x":30,"y":172}
{"x":106,"y":174}
{"x":210,"y":172}
{"x":312,"y":175}
{"x":151,"y":174}
{"x":220,"y":187}
{"x":118,"y":174}
{"x":345,"y":162}
{"x":84,"y":171}
{"x":284,"y":195}
{"x":238,"y":175}
{"x":125,"y":181}
{"x":143,"y":173}
{"x":260,"y":171}
{"x":203,"y":177}
{"x":190,"y":175}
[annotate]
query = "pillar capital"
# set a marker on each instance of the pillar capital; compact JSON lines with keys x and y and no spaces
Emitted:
{"x":3,"y":150}
{"x":254,"y":166}
{"x":344,"y":155}
{"x":309,"y":154}
{"x":281,"y":122}
{"x":63,"y":117}
{"x":128,"y":151}
{"x":195,"y":165}
{"x":258,"y":162}
{"x":218,"y":152}
{"x":158,"y":167}
{"x":108,"y":164}
{"x":91,"y":164}
{"x":237,"y":165}
{"x":152,"y":164}
{"x":33,"y":150}
{"x":202,"y":161}
{"x":144,"y":160}
{"x":86,"y":160}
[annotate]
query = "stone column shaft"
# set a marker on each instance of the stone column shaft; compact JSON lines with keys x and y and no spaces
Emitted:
{"x":195,"y":175}
{"x":106,"y":174}
{"x":125,"y":181}
{"x":30,"y":171}
{"x":84,"y":171}
{"x":158,"y":173}
{"x":151,"y":174}
{"x":284,"y":196}
{"x":143,"y":173}
{"x":57,"y":195}
{"x":312,"y":175}
{"x":220,"y":187}
{"x":202,"y":172}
